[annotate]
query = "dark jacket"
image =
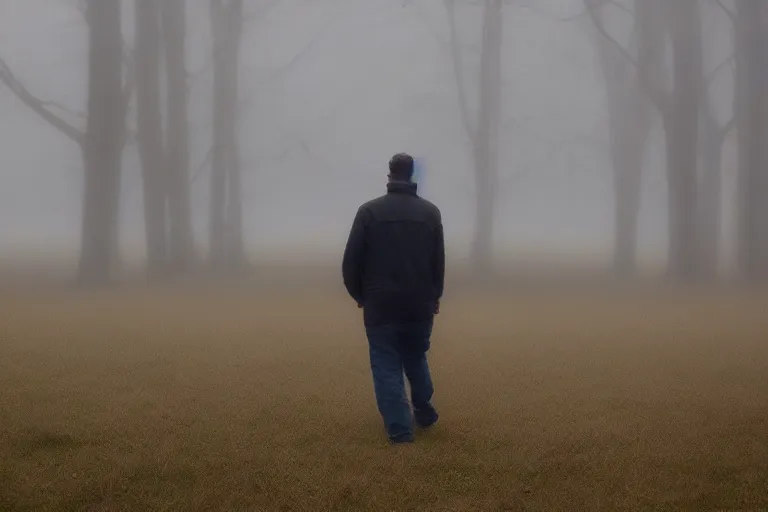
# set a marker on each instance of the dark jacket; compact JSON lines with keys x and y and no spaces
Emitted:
{"x":394,"y":261}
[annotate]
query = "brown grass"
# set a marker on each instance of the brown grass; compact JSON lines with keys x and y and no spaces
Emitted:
{"x":232,"y":400}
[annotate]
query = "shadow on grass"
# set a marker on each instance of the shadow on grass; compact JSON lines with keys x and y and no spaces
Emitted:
{"x":34,"y":441}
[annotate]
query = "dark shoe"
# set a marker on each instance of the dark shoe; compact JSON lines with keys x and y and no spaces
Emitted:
{"x":426,"y":418}
{"x":402,"y":439}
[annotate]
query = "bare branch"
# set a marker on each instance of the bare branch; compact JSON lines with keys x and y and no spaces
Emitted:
{"x":543,"y":12}
{"x":653,"y":90}
{"x":40,"y":107}
{"x":195,"y":75}
{"x":65,"y":109}
{"x":621,"y":6}
{"x":82,"y":7}
{"x":45,"y":108}
{"x":710,"y":77}
{"x":450,"y":6}
{"x":201,"y":168}
{"x":728,"y":127}
{"x":726,"y":10}
{"x":581,"y":14}
{"x":296,"y":59}
{"x":593,"y":6}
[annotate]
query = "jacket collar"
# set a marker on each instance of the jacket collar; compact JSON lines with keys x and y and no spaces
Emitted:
{"x":402,"y":187}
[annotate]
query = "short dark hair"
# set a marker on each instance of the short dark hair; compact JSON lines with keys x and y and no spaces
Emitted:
{"x":401,"y":167}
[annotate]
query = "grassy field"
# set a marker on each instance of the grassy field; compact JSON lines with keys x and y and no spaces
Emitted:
{"x":235,"y":400}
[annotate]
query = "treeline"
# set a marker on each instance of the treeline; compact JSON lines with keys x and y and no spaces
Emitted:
{"x":121,"y":79}
{"x":656,"y":70}
{"x":660,"y":71}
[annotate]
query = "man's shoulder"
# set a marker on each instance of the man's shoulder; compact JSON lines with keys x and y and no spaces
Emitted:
{"x":372,"y":205}
{"x":430,"y":205}
{"x":373,"y":202}
{"x":383,"y":199}
{"x":430,"y":209}
{"x":417,"y":204}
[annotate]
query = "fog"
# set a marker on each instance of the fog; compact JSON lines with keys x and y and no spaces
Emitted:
{"x":330,"y":91}
{"x":617,"y":145}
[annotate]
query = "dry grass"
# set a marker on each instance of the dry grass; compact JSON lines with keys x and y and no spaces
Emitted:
{"x":230,"y":400}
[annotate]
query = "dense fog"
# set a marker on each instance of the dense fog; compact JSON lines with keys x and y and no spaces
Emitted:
{"x":328,"y":91}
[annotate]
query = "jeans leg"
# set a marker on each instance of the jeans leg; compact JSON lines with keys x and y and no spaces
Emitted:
{"x":388,"y":382}
{"x":415,"y":344}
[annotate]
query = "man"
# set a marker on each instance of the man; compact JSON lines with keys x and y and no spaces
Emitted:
{"x":393,"y":267}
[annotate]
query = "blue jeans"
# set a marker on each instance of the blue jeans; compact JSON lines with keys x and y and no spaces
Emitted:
{"x":396,"y":349}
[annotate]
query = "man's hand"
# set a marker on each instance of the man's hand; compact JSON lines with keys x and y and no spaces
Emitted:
{"x":437,"y":307}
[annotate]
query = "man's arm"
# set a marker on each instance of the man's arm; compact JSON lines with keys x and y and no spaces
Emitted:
{"x":354,"y":252}
{"x":438,"y":267}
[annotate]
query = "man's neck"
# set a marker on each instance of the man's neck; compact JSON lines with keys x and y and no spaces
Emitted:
{"x":402,"y":187}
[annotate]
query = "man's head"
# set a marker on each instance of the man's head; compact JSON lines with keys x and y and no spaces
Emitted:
{"x":401,"y":168}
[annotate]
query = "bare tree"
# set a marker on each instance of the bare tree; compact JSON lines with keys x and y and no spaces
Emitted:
{"x":681,"y":130}
{"x":679,"y":24}
{"x":161,"y":30}
{"x":752,"y":125}
{"x":174,"y":16}
{"x":629,"y":123}
{"x":94,"y":266}
{"x":485,"y":136}
{"x":713,"y":133}
{"x":104,"y":141}
{"x":150,"y":134}
{"x":225,"y":235}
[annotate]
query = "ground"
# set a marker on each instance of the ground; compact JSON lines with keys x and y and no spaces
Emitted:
{"x":240,"y":400}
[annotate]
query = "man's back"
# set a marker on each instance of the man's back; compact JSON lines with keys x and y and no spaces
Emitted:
{"x":394,"y":262}
{"x":394,"y":265}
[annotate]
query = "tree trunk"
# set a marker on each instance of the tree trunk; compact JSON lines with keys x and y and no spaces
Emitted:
{"x":633,"y":129}
{"x":174,"y":17}
{"x":751,"y":122}
{"x":226,"y":236}
{"x":709,"y":192}
{"x":103,"y":142}
{"x":631,"y":90}
{"x":628,"y":168}
{"x":629,"y":123}
{"x":682,"y":128}
{"x":682,"y":203}
{"x":150,"y":134}
{"x":217,"y":224}
{"x":486,"y":144}
{"x":235,"y":256}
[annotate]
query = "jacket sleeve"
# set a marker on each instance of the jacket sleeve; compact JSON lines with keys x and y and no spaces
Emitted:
{"x":354,"y":253}
{"x":438,"y":267}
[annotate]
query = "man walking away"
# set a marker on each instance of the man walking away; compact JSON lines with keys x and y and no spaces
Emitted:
{"x":394,"y":267}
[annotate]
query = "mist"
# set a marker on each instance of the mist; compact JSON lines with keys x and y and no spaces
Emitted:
{"x":327,"y":93}
{"x":185,"y":327}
